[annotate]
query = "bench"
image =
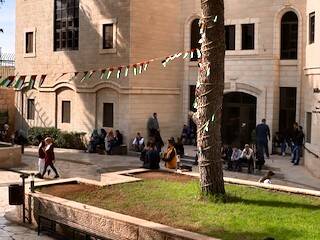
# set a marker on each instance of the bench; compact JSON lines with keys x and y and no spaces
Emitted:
{"x":75,"y":231}
{"x":187,"y":162}
{"x":120,"y":150}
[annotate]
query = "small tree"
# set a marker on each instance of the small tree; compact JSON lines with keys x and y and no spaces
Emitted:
{"x":209,"y":97}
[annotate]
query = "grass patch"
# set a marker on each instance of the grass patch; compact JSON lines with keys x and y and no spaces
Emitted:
{"x":249,"y":214}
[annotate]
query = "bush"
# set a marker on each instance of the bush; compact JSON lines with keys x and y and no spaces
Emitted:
{"x":71,"y":140}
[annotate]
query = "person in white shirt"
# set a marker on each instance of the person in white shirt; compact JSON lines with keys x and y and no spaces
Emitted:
{"x":138,"y":143}
{"x":247,"y":156}
{"x":235,"y":158}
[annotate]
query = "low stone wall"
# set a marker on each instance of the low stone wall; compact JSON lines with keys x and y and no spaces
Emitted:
{"x":105,"y":223}
{"x":10,"y":156}
{"x":7,"y":105}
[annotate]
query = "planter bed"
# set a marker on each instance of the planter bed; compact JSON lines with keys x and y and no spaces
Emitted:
{"x":171,"y":199}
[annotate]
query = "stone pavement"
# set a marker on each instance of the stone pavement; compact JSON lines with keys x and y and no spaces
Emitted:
{"x":78,"y":164}
{"x":10,"y":230}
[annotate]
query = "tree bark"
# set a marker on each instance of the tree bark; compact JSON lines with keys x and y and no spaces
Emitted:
{"x":209,"y":97}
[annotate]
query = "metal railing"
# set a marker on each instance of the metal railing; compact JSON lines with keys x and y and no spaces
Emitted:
{"x":7,"y":59}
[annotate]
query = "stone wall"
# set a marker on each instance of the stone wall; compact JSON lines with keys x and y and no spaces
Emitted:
{"x":105,"y":223}
{"x":7,"y":98}
{"x":10,"y":156}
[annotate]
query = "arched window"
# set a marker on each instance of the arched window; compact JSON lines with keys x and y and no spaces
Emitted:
{"x":195,"y":37}
{"x":289,"y":36}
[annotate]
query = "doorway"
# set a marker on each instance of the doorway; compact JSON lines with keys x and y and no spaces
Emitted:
{"x":238,"y":118}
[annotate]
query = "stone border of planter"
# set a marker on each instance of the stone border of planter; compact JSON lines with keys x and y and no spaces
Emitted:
{"x":107,"y":223}
{"x":10,"y":156}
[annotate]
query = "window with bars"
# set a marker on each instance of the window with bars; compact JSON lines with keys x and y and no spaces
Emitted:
{"x":248,"y":36}
{"x":66,"y":25}
{"x":108,"y":115}
{"x":308,"y":127}
{"x":289,"y":36}
{"x":107,"y":31}
{"x":195,"y":37}
{"x":230,"y":31}
{"x":30,"y":109}
{"x":66,"y":112}
{"x":29,"y":42}
{"x":312,"y":20}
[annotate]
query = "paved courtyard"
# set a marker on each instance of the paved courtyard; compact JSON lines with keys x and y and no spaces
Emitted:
{"x":79,"y":164}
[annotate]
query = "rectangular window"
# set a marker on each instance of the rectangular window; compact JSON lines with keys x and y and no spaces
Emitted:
{"x":108,"y":115}
{"x":29,"y":42}
{"x":288,"y":101}
{"x":230,"y":32}
{"x":107,"y":30}
{"x":30,"y":109}
{"x":312,"y":20}
{"x":66,"y":25}
{"x":66,"y":112}
{"x":247,"y":36}
{"x":308,"y":127}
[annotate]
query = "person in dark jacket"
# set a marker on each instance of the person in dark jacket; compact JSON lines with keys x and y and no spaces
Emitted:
{"x":151,"y":158}
{"x":298,"y":140}
{"x":179,"y":147}
{"x":49,"y":157}
{"x":262,"y":137}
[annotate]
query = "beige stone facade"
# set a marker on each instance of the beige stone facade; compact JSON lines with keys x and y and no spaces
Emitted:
{"x":146,"y":30}
{"x":311,"y":95}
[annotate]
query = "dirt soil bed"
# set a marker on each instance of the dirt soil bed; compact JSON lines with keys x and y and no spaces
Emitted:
{"x":62,"y":190}
{"x":166,"y":176}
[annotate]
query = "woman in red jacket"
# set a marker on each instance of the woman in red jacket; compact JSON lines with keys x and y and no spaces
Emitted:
{"x":49,"y":157}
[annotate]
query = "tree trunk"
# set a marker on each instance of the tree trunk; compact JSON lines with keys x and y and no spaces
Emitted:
{"x":209,"y":97}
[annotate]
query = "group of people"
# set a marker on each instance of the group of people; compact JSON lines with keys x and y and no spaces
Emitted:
{"x":152,"y":154}
{"x":103,"y":141}
{"x":235,"y":157}
{"x":46,"y":157}
{"x":292,"y":139}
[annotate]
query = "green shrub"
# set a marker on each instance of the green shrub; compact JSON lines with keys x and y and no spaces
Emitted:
{"x":71,"y":140}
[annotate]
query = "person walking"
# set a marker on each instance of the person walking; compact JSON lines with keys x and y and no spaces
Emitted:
{"x":49,"y":157}
{"x":262,"y":137}
{"x":298,"y":143}
{"x":41,"y":155}
{"x":153,"y":125}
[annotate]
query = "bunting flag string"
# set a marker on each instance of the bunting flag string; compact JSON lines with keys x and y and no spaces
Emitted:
{"x":18,"y":82}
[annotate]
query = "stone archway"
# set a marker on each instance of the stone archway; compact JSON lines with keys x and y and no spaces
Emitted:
{"x":238,"y":118}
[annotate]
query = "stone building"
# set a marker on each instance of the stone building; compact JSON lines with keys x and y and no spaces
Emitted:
{"x":271,"y":65}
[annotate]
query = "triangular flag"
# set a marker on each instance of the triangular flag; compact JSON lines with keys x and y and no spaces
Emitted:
{"x":21,"y":82}
{"x":126,"y":73}
{"x":199,"y":53}
{"x":192,"y":54}
{"x":164,"y":62}
{"x":185,"y":55}
{"x":43,"y":77}
{"x":32,"y":81}
{"x":145,"y":68}
{"x":109,"y":72}
{"x":103,"y":72}
{"x":140,"y":68}
{"x":74,"y":76}
{"x":135,"y":69}
{"x":84,"y":76}
{"x":119,"y":72}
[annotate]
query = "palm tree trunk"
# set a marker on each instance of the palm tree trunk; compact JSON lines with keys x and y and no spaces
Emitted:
{"x":209,"y":95}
